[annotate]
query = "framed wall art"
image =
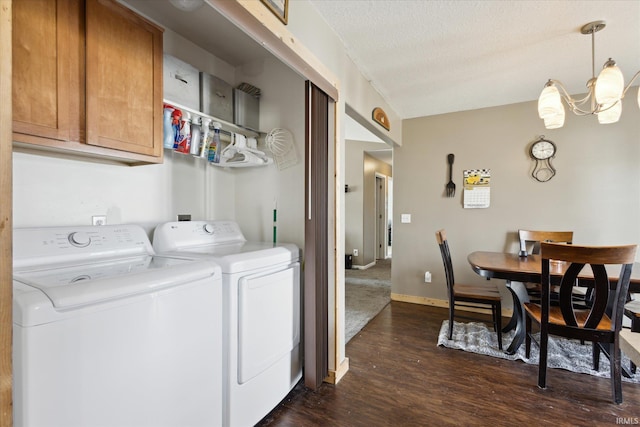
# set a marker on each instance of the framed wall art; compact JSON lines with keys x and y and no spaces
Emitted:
{"x":280,"y":8}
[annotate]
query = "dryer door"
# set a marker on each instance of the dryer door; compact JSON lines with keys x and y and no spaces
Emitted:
{"x":268,"y":319}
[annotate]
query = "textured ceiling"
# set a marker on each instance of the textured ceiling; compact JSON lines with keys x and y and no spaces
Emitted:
{"x":429,"y":57}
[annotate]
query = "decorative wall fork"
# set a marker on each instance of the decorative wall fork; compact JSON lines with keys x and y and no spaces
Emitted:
{"x":451,"y":186}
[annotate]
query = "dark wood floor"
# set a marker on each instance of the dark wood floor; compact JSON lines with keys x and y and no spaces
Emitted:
{"x":399,"y":377}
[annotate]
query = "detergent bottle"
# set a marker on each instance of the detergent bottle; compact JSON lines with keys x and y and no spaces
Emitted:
{"x":176,"y":117}
{"x":184,"y":135}
{"x":196,"y":136}
{"x":168,"y":128}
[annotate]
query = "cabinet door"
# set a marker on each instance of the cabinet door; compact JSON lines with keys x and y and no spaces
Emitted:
{"x":42,"y":61}
{"x":123,"y":79}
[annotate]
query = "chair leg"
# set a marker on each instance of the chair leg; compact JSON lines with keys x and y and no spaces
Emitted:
{"x":527,"y":338}
{"x":596,"y":356}
{"x":498,"y":323}
{"x":616,"y":373}
{"x":451,"y":309}
{"x":542,"y":370}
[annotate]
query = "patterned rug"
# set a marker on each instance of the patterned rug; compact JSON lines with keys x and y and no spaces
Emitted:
{"x":562,"y":353}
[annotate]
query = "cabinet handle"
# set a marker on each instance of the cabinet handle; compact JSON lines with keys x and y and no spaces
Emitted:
{"x":182,"y":79}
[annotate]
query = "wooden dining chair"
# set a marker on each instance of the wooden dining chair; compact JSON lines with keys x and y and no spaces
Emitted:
{"x":469,"y":296}
{"x":530,"y":244}
{"x":592,"y":324}
{"x":530,"y":240}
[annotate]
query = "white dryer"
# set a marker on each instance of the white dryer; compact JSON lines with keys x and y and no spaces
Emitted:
{"x":261,"y":325}
{"x":105,"y":333}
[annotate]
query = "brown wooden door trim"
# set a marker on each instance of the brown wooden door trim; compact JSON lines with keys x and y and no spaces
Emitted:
{"x":6,"y":228}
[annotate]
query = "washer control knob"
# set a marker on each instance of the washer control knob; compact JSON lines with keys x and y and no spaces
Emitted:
{"x":79,"y":239}
{"x":208,"y":228}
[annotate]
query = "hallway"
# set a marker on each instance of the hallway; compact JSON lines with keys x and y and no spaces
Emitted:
{"x":367,"y":292}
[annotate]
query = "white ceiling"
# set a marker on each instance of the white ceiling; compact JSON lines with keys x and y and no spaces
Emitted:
{"x":429,"y":57}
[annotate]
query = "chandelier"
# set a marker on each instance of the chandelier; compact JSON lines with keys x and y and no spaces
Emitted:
{"x":604,"y":97}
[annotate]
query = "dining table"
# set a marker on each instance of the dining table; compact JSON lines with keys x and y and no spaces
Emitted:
{"x":517,"y":270}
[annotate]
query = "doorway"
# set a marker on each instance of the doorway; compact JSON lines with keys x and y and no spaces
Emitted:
{"x":368,"y":210}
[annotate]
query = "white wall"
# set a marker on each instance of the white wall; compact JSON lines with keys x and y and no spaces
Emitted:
{"x":309,"y":27}
{"x":281,"y":106}
{"x":50,"y":191}
{"x":595,"y":192}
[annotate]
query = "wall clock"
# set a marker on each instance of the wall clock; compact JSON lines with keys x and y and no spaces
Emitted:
{"x":542,"y":151}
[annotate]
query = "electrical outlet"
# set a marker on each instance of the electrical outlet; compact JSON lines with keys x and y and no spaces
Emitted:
{"x":99,"y":220}
{"x":427,"y":277}
{"x":355,"y":252}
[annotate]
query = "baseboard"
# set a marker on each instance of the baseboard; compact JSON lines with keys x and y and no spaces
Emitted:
{"x":363,"y":267}
{"x":335,"y":376}
{"x":413,"y":299}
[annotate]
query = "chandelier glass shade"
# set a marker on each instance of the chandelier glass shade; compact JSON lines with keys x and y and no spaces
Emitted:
{"x":604,"y":97}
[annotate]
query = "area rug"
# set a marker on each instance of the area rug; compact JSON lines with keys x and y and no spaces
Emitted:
{"x":562,"y":353}
{"x":364,"y":299}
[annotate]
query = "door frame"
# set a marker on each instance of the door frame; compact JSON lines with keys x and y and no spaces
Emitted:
{"x":6,"y":220}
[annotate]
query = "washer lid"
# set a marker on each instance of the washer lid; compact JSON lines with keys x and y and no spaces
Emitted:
{"x":246,"y":256}
{"x":75,"y":286}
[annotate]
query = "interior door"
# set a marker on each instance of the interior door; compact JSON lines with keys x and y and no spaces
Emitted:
{"x":316,"y":279}
{"x":381,"y":217}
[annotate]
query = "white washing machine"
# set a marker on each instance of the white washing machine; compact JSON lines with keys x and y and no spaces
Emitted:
{"x":105,"y":333}
{"x":261,"y":325}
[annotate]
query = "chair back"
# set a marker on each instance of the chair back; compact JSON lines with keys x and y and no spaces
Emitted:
{"x":441,"y":237}
{"x":597,"y":258}
{"x":530,"y":239}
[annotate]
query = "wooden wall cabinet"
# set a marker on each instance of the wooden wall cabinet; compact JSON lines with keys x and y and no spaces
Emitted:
{"x":87,"y":80}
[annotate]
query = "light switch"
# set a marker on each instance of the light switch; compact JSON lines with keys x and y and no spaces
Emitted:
{"x":405,"y":218}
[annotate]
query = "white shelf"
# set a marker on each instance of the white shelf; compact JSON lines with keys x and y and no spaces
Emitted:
{"x":225,"y":163}
{"x":226,"y":126}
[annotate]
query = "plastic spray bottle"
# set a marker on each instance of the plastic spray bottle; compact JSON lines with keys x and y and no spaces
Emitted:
{"x":214,"y":147}
{"x":207,"y":137}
